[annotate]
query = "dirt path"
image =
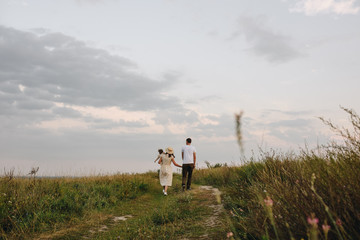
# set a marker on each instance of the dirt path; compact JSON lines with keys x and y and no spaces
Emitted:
{"x":214,"y":222}
{"x":217,"y":207}
{"x":143,"y":218}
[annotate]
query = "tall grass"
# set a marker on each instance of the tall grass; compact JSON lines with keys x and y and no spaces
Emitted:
{"x":33,"y":205}
{"x":311,"y":195}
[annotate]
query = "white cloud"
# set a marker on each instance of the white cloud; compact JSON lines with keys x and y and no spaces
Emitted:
{"x":62,"y":123}
{"x":313,"y":7}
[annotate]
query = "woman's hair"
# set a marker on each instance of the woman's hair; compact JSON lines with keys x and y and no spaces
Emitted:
{"x":160,"y":151}
{"x":169,"y":155}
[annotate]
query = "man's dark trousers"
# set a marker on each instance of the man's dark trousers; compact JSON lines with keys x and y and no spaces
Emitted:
{"x":187,"y":169}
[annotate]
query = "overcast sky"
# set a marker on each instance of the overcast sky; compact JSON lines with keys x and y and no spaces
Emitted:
{"x":97,"y":86}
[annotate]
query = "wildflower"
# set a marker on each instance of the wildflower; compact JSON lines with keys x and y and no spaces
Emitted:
{"x":326,"y":228}
{"x":338,"y":222}
{"x":313,"y":221}
{"x":229,"y":234}
{"x":268,"y":201}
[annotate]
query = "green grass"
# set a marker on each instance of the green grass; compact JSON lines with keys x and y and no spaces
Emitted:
{"x":321,"y":184}
{"x":76,"y":208}
{"x":31,"y":206}
{"x":278,"y":196}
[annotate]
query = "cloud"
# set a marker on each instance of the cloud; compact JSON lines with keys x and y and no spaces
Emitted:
{"x":53,"y":82}
{"x":274,"y":47}
{"x":40,"y":71}
{"x":314,"y":7}
{"x":58,"y":68}
{"x":285,"y":129}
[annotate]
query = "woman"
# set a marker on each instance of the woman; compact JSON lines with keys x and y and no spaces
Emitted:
{"x":166,"y":173}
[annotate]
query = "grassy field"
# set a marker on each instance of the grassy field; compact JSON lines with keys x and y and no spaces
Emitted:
{"x":106,"y":207}
{"x":29,"y":206}
{"x":311,"y":195}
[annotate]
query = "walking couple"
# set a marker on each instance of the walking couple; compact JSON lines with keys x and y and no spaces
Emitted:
{"x":188,"y":155}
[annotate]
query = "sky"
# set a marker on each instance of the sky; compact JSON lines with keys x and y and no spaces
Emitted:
{"x":97,"y":86}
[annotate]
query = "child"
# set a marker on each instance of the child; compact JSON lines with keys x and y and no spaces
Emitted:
{"x":159,"y":156}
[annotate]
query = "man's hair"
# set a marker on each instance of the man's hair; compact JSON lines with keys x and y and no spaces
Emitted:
{"x":188,"y":140}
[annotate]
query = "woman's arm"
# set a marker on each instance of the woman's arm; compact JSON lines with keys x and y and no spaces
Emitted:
{"x":157,"y":158}
{"x":160,"y":161}
{"x":173,"y":161}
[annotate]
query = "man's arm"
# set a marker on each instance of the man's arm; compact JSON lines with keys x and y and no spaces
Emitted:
{"x":182,"y":156}
{"x":194,"y":154}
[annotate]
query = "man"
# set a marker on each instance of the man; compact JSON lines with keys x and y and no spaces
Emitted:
{"x":188,"y":154}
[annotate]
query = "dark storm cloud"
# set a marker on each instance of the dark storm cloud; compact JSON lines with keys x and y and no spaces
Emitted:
{"x":57,"y":68}
{"x":273,"y":46}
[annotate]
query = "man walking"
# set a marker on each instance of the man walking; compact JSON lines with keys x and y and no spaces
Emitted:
{"x":188,"y":154}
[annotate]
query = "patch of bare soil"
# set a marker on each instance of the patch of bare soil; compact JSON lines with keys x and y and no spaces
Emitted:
{"x":105,"y":228}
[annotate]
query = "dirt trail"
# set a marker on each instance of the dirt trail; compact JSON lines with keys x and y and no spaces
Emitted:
{"x":214,"y":219}
{"x":214,"y":222}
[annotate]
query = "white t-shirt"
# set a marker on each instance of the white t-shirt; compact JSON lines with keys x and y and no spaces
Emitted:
{"x":188,"y":151}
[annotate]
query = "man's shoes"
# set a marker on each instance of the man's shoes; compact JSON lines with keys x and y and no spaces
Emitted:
{"x":183,"y":188}
{"x":189,"y":188}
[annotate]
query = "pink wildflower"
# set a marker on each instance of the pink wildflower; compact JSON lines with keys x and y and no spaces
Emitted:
{"x":268,"y":201}
{"x":326,"y":228}
{"x":229,"y":234}
{"x":338,"y":222}
{"x":313,"y":221}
